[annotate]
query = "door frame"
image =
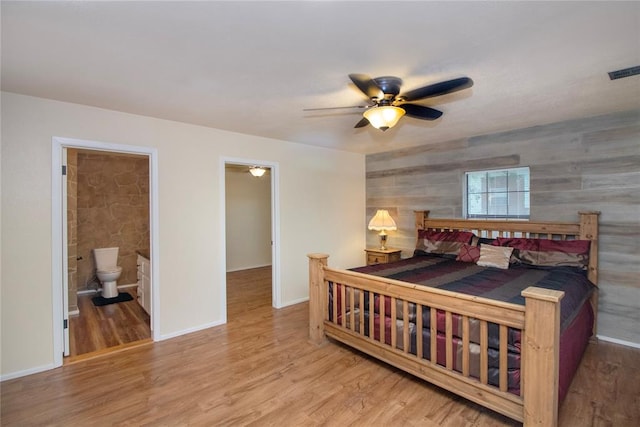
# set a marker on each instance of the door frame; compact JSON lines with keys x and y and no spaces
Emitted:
{"x":58,"y":144}
{"x":276,"y":292}
{"x":65,"y":253}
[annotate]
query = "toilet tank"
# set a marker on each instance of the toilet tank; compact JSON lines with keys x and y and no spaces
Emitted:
{"x":106,"y":258}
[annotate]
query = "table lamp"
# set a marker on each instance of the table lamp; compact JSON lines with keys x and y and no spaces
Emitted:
{"x":382,"y":222}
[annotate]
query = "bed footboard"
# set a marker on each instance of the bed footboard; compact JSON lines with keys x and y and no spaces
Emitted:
{"x":386,"y":318}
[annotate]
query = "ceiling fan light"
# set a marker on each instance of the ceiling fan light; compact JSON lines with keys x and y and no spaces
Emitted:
{"x":257,"y":171}
{"x":384,"y":117}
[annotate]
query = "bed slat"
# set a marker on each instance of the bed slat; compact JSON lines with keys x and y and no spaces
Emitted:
{"x":343,"y":305}
{"x":434,"y":335}
{"x":382,"y":323}
{"x":335,"y":303}
{"x":484,"y":349}
{"x":352,"y":309}
{"x":361,"y":312}
{"x":372,"y":298}
{"x":406,"y":343}
{"x":419,"y":326}
{"x":449,"y":340}
{"x":394,"y":323}
{"x":504,"y":361}
{"x":465,"y":346}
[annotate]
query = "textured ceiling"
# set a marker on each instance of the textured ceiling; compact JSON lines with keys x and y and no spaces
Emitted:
{"x":252,"y":67}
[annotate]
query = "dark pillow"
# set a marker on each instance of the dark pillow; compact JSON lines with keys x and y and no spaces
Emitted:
{"x":468,"y":253}
{"x":547,"y":252}
{"x":477,"y":241}
{"x":485,"y":240}
{"x":442,"y":242}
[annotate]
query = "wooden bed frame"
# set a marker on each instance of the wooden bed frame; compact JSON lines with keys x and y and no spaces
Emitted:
{"x":539,"y":320}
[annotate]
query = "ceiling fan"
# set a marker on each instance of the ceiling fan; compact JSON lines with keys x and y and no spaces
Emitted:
{"x":388,"y":105}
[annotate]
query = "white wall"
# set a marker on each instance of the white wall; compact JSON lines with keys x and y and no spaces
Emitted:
{"x":248,"y":219}
{"x":191,"y":263}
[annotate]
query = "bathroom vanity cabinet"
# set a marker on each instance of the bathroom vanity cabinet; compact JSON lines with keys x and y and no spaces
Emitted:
{"x":144,"y":283}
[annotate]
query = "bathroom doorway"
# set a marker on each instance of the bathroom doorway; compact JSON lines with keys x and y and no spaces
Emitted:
{"x":250,"y":230}
{"x":107,"y":199}
{"x":107,"y":211}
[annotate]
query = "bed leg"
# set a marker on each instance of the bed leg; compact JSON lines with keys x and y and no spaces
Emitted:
{"x":589,"y":231}
{"x":541,"y":356}
{"x":317,"y":297}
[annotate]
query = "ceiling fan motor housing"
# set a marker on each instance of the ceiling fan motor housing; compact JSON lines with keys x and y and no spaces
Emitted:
{"x":389,"y":85}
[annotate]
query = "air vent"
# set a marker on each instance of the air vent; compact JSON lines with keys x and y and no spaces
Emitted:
{"x":627,"y":72}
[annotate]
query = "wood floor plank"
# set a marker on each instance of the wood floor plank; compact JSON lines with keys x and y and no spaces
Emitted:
{"x":96,"y":329}
{"x":260,"y":369}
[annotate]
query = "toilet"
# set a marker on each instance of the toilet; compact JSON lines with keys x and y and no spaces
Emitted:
{"x":107,"y":270}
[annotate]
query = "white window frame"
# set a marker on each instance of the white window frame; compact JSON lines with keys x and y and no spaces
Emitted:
{"x":465,"y":195}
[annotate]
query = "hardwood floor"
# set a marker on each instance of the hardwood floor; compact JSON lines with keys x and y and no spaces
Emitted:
{"x":259,"y":369}
{"x":99,"y":329}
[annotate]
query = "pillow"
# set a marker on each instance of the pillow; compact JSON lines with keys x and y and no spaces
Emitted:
{"x":494,"y":256}
{"x":476,"y":241}
{"x":547,"y":252}
{"x":468,"y":253}
{"x":442,"y":242}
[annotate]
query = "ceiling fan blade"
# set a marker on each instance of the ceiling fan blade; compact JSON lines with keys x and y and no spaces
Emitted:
{"x":334,"y":108}
{"x":421,"y":112}
{"x":367,"y":85}
{"x":437,"y":89}
{"x":362,"y":123}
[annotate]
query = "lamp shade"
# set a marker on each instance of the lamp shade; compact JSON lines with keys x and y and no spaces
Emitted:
{"x":384,"y":117}
{"x":382,"y":221}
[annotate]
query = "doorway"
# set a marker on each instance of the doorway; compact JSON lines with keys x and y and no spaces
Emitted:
{"x":86,"y":278}
{"x":107,"y":207}
{"x":251,"y":235}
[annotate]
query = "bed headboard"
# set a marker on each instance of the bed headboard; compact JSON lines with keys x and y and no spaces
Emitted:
{"x":585,"y":229}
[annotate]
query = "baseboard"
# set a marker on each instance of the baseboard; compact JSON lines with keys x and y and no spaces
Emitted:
{"x":75,"y":312}
{"x":619,"y":341}
{"x":294,"y":302}
{"x":133,"y":285}
{"x":191,"y":330}
{"x":26,"y":372}
{"x":248,"y":267}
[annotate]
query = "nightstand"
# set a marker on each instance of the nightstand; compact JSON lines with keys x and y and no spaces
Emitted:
{"x":382,"y":256}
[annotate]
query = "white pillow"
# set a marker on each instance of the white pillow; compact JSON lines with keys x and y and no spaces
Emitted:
{"x":494,"y":256}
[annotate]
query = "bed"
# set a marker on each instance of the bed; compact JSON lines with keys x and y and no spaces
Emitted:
{"x":507,"y":338}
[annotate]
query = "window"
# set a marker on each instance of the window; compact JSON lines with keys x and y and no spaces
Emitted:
{"x":500,"y":193}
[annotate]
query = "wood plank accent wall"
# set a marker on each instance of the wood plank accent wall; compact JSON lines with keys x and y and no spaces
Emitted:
{"x":584,"y":164}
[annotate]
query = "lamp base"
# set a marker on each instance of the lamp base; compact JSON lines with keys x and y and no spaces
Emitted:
{"x":383,"y":241}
